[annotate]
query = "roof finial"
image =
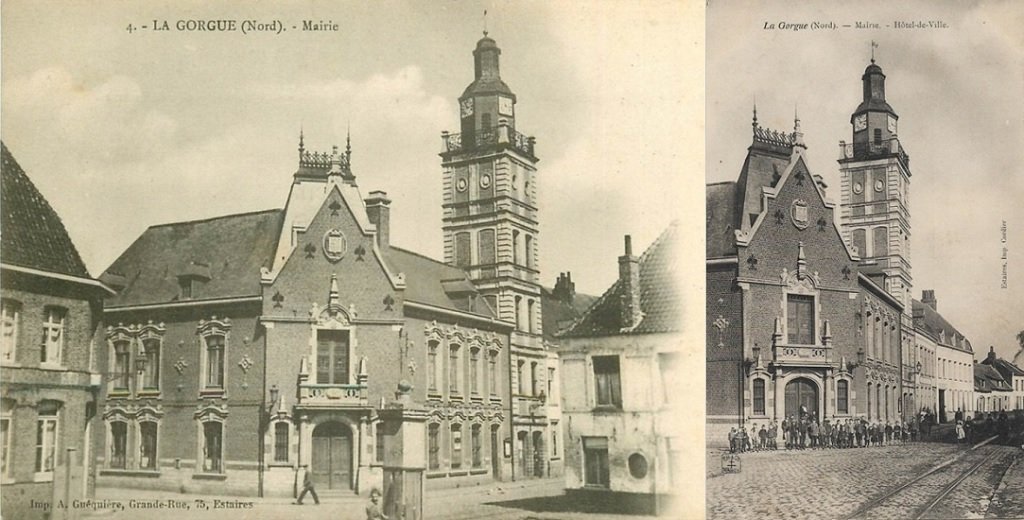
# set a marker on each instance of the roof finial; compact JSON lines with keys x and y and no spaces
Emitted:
{"x":348,"y":143}
{"x":302,"y":146}
{"x":873,"y":47}
{"x":485,"y":23}
{"x":755,"y":111}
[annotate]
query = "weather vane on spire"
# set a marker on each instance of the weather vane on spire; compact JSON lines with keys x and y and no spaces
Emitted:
{"x":873,"y":47}
{"x":485,"y":22}
{"x":754,"y":122}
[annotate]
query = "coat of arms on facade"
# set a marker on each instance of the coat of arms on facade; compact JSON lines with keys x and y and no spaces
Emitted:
{"x":798,"y":212}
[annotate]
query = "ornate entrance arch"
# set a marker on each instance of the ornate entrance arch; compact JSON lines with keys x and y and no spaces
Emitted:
{"x":801,"y":393}
{"x":331,"y":464}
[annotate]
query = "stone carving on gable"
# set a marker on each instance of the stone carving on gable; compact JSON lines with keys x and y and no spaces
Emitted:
{"x":798,"y":213}
{"x":335,"y":245}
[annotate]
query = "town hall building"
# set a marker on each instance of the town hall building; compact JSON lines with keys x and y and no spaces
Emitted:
{"x":301,"y":323}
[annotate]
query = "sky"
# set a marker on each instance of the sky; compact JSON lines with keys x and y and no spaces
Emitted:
{"x":123,"y":130}
{"x":957,"y":92}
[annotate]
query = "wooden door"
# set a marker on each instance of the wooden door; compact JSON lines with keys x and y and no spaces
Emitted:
{"x":332,"y":457}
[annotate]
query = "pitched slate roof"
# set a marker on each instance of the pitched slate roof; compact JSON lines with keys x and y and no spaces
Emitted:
{"x":230,"y":250}
{"x":987,"y":379}
{"x":31,"y":233}
{"x":436,"y":283}
{"x":736,"y":205}
{"x":557,"y":314}
{"x":931,"y":323}
{"x":1004,"y":367}
{"x":660,"y":300}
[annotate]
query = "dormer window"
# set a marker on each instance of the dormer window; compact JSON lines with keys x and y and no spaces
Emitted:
{"x":192,"y":278}
{"x":188,"y":286}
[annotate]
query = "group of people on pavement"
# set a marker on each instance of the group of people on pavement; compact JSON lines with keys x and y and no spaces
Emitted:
{"x":806,"y":431}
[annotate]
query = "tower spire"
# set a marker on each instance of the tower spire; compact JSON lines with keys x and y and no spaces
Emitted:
{"x":873,"y":46}
{"x":348,"y":145}
{"x":485,"y":22}
{"x":302,"y":146}
{"x":754,"y":123}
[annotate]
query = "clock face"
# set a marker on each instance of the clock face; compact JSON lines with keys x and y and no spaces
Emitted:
{"x":461,"y":184}
{"x":892,"y":125}
{"x":504,"y":106}
{"x":860,"y":122}
{"x":466,"y":107}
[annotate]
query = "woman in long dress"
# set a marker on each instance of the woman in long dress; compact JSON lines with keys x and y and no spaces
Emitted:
{"x":960,"y":435}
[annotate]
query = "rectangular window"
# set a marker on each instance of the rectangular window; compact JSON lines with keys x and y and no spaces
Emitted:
{"x":53,"y":336}
{"x":122,"y":365}
{"x":534,"y":379}
{"x":379,"y":441}
{"x":10,"y":314}
{"x":433,"y":446}
{"x":46,"y":442}
{"x":151,"y":353}
{"x":148,"y":452}
{"x":554,"y":439}
{"x":492,"y":372}
{"x":843,"y":396}
{"x":518,"y":311}
{"x":529,"y":251}
{"x":515,"y":247}
{"x":474,"y":371}
{"x":759,"y":396}
{"x":453,"y":369}
{"x":432,"y":365}
{"x":456,"y":446}
{"x":5,"y":446}
{"x":531,"y":319}
{"x":463,"y":253}
{"x":118,"y":444}
{"x":595,"y":461}
{"x":212,"y":443}
{"x":522,"y":377}
{"x":486,"y":246}
{"x":215,"y":362}
{"x":800,"y":319}
{"x":477,"y":446}
{"x":606,"y":377}
{"x":281,"y":442}
{"x":332,"y":357}
{"x":551,"y":379}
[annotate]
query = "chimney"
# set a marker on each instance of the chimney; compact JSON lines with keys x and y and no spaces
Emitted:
{"x":928,"y":298}
{"x":629,"y":279}
{"x":378,"y":210}
{"x":991,"y":355}
{"x":565,"y":289}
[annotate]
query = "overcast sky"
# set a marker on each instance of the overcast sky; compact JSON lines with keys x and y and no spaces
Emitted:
{"x":958,"y":93}
{"x":121,"y":131}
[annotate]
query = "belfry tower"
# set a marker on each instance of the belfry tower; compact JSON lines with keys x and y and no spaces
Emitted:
{"x":875,"y":183}
{"x":490,"y":230}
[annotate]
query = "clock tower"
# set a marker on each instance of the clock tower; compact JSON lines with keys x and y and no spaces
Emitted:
{"x":490,"y":230}
{"x":875,"y":180}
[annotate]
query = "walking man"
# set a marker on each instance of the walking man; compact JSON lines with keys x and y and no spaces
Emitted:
{"x":307,"y":485}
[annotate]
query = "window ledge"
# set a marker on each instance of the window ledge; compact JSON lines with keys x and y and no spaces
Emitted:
{"x":458,"y":473}
{"x":212,"y":393}
{"x":148,"y":393}
{"x":479,"y":471}
{"x":43,"y":476}
{"x":135,"y":473}
{"x":604,"y":408}
{"x":52,"y":366}
{"x":209,"y":476}
{"x":119,"y":394}
{"x":437,"y":474}
{"x":12,"y":364}
{"x":280,"y":465}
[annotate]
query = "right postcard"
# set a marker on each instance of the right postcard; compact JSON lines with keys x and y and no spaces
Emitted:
{"x":864,"y":332}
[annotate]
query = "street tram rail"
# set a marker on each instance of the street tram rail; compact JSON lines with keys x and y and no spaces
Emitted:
{"x":865,"y":510}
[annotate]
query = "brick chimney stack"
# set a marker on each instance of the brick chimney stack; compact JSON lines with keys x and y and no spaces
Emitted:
{"x":565,"y":289}
{"x":928,"y":298}
{"x":629,"y":279}
{"x":991,"y":355}
{"x":378,"y":210}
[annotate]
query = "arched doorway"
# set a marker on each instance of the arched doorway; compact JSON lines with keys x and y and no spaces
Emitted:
{"x":331,"y":466}
{"x":801,"y":393}
{"x":538,"y":454}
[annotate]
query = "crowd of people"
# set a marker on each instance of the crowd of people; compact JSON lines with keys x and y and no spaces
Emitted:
{"x":805,"y":431}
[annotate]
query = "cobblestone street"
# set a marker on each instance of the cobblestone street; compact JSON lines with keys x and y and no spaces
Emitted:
{"x":837,"y":483}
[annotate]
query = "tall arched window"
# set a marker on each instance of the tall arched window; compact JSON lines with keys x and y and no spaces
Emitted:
{"x":432,"y":368}
{"x":474,"y":371}
{"x":453,"y":368}
{"x":759,"y":396}
{"x":870,"y":396}
{"x":492,"y":373}
{"x":529,"y":251}
{"x":880,"y":241}
{"x":118,"y":444}
{"x":280,"y":441}
{"x":148,"y":445}
{"x":215,"y":361}
{"x":843,"y":396}
{"x":122,"y":364}
{"x":151,"y":353}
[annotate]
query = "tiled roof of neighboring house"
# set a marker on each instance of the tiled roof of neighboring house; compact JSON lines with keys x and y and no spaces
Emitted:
{"x":1005,"y":368}
{"x":1018,"y":358}
{"x":31,"y":233}
{"x":228,"y":250}
{"x":557,"y":314}
{"x":931,"y":323}
{"x":436,"y":283}
{"x":987,"y":379}
{"x":660,"y":300}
